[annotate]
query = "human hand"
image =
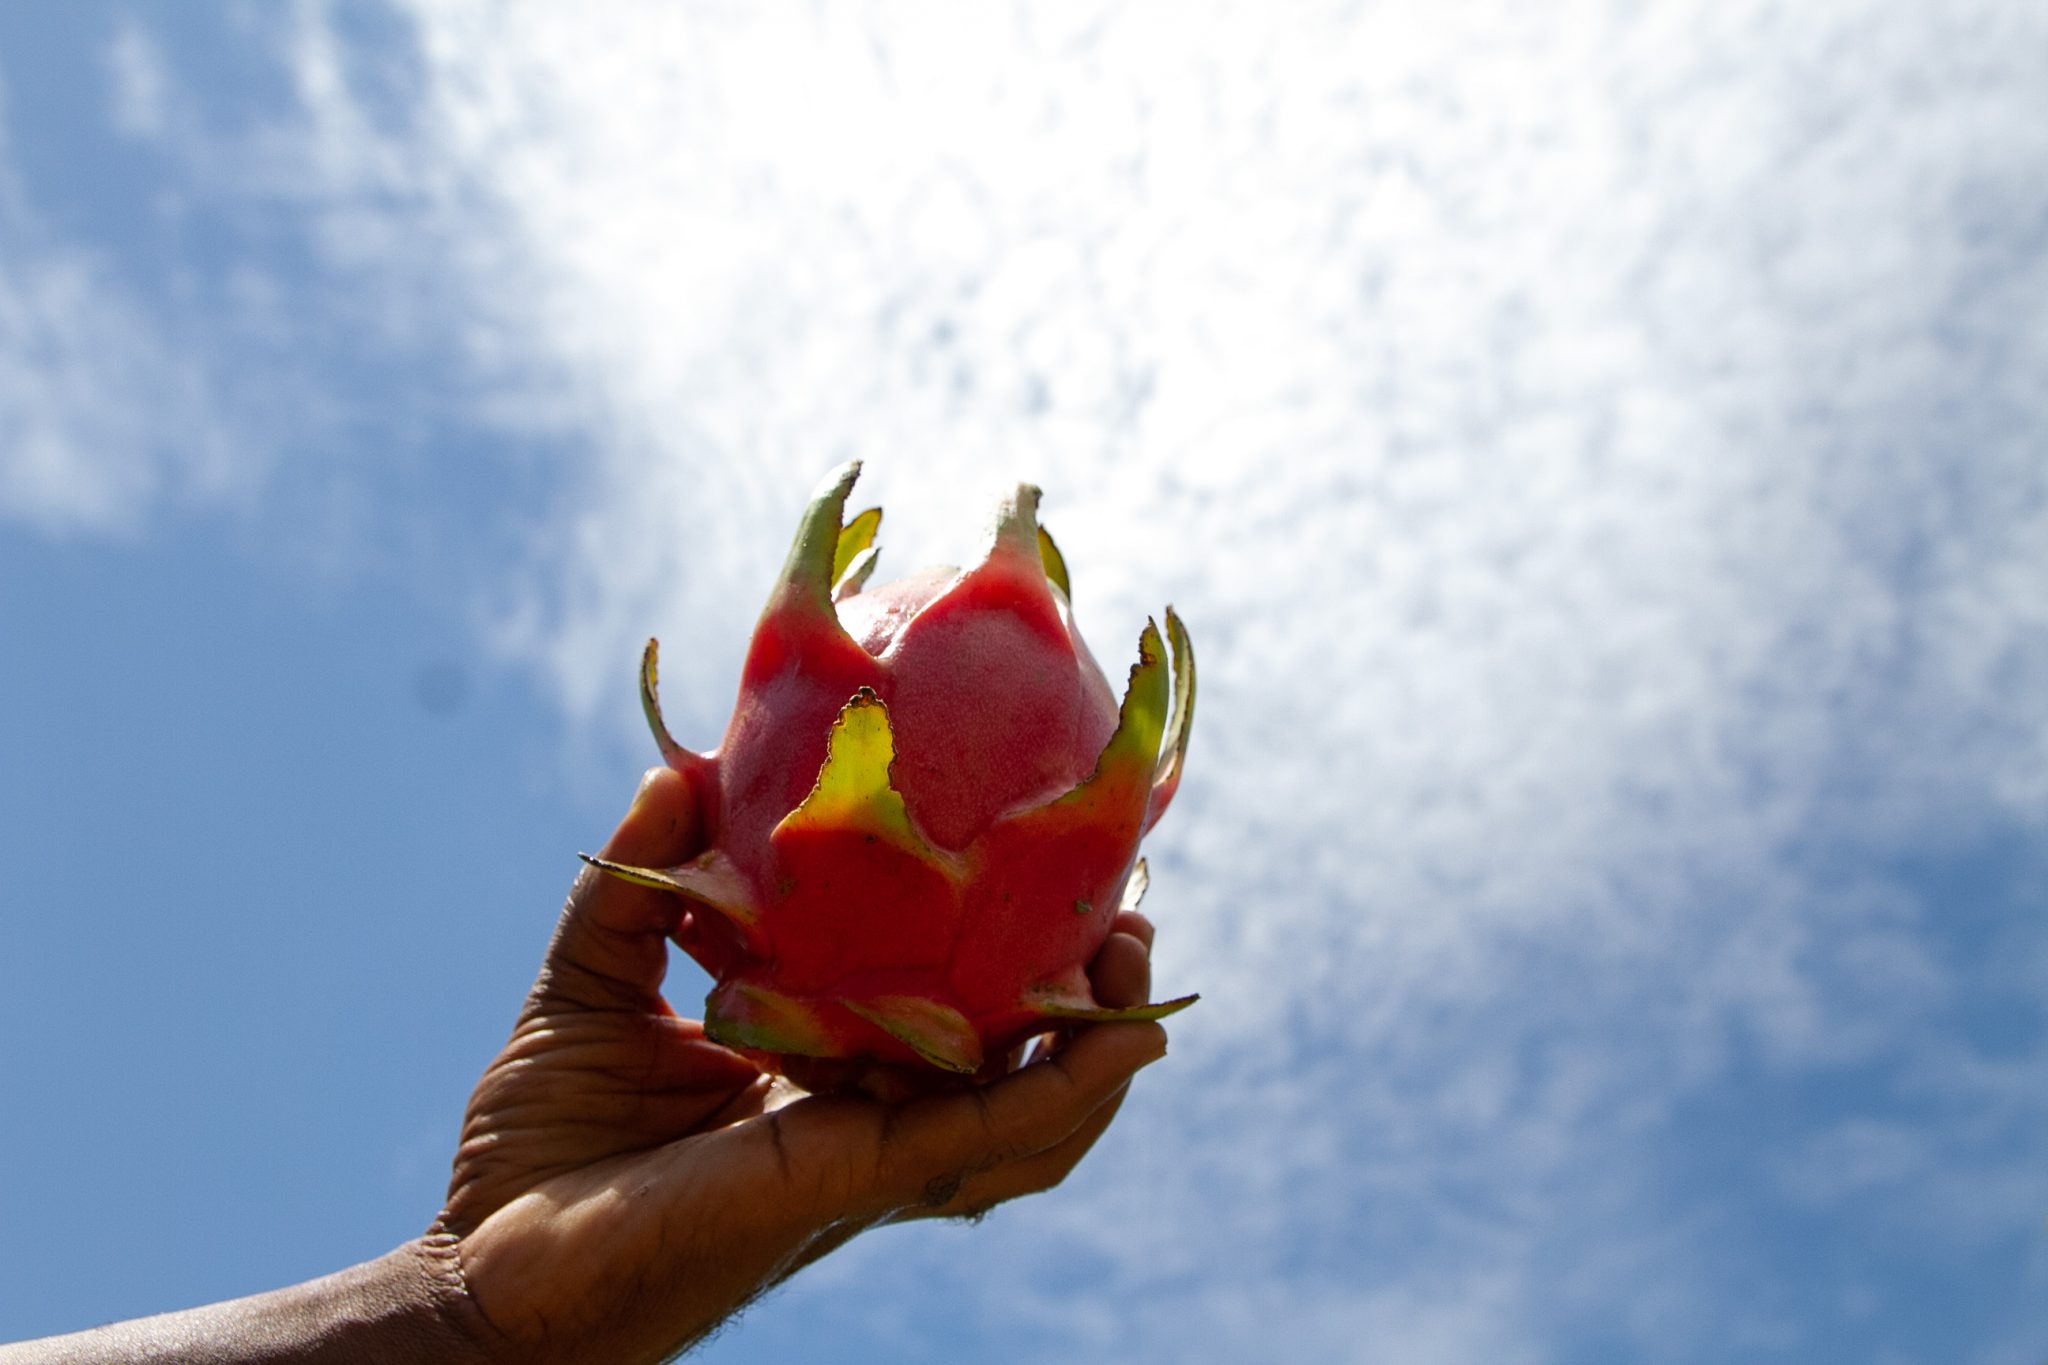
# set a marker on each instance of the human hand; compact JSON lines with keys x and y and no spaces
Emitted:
{"x":624,"y":1184}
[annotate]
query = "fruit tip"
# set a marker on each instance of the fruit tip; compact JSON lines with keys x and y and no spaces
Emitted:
{"x":1017,"y":514}
{"x":804,"y":588}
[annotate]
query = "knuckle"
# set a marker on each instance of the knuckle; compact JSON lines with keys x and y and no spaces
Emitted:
{"x":942,"y":1190}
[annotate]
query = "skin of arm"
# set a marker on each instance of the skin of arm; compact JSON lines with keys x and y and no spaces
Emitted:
{"x":623,"y":1184}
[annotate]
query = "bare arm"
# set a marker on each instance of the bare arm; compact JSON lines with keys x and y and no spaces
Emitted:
{"x":404,"y":1307}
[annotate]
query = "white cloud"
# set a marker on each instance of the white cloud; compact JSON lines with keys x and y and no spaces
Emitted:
{"x":100,"y":418}
{"x":1598,"y":455}
{"x":141,"y":85}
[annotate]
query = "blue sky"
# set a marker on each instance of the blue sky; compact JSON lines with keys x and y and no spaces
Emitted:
{"x":1599,"y":453}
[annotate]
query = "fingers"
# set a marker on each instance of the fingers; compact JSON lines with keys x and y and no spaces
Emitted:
{"x":1032,"y":1175}
{"x":610,"y":947}
{"x":840,"y":1158}
{"x":936,"y":1145}
{"x":628,"y":1052}
{"x":839,"y":1162}
{"x":1121,"y":973}
{"x":1136,"y":925}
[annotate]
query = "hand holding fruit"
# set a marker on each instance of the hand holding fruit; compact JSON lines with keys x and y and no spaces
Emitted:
{"x":916,"y":850}
{"x":624,"y":1184}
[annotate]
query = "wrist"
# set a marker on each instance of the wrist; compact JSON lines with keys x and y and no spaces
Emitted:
{"x":424,"y":1310}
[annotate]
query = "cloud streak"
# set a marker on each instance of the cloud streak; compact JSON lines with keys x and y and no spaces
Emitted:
{"x":101,"y":420}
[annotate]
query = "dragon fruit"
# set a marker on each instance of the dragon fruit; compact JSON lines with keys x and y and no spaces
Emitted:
{"x":926,"y":810}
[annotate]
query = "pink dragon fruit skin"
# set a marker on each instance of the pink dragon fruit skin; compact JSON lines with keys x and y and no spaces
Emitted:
{"x":926,"y":808}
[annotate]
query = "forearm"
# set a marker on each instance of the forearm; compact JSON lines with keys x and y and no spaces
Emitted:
{"x":404,"y":1307}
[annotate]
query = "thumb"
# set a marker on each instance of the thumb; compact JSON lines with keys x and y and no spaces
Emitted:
{"x":610,"y":948}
